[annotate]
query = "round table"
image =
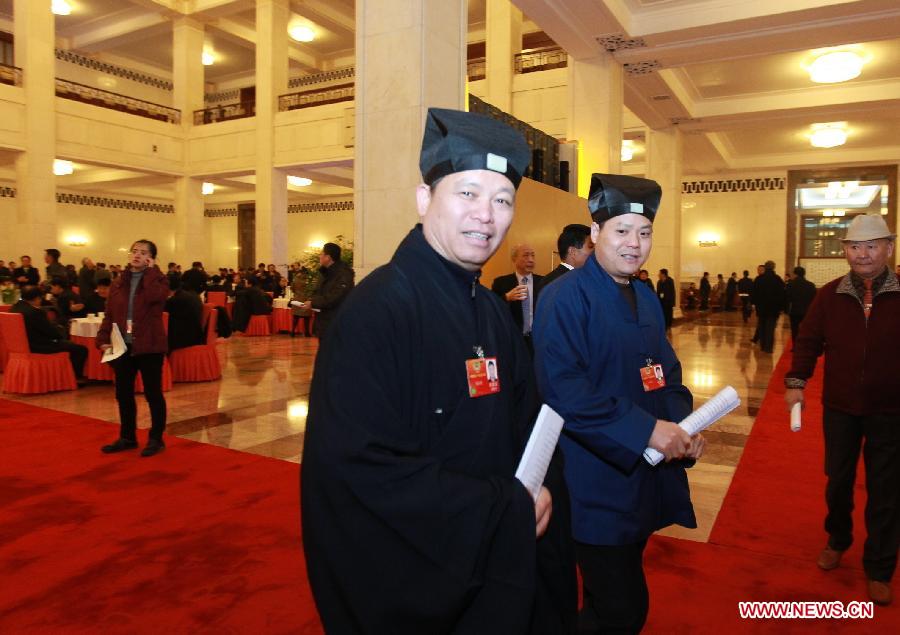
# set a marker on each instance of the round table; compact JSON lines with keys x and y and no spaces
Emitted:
{"x":84,"y":331}
{"x":281,"y":315}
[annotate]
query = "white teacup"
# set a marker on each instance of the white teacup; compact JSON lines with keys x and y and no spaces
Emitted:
{"x":101,"y":315}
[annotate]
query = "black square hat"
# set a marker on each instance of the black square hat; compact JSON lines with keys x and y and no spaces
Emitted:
{"x":616,"y":194}
{"x":456,"y":141}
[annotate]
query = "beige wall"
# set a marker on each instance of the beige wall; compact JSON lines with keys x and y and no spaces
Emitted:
{"x":539,"y":99}
{"x":109,"y":232}
{"x":304,"y":229}
{"x":541,"y":213}
{"x":750,"y":226}
{"x":112,"y":83}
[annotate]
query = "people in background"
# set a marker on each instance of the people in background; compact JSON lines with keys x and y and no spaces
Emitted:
{"x":44,"y":337}
{"x":96,"y":301}
{"x":745,"y":288}
{"x":574,"y":246}
{"x":665,"y":291}
{"x":250,"y":300}
{"x":86,"y":281}
{"x":25,"y":274}
{"x":55,"y":269}
{"x":768,"y":297}
{"x":298,"y":299}
{"x":69,"y":304}
{"x":705,"y":291}
{"x":195,"y":278}
{"x":185,"y":319}
{"x":731,"y":291}
{"x":798,"y":295}
{"x":853,"y":321}
{"x":135,"y":305}
{"x":334,"y":284}
{"x":644,"y":276}
{"x":519,"y":290}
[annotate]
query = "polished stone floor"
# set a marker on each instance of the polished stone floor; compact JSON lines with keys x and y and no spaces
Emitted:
{"x":260,"y":404}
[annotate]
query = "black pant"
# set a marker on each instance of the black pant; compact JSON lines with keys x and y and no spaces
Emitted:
{"x":616,"y":598}
{"x":77,"y":355}
{"x":881,"y":457}
{"x":795,"y":327}
{"x":307,"y":324}
{"x":667,"y":310}
{"x":746,"y":308}
{"x":767,"y":324}
{"x":150,"y":367}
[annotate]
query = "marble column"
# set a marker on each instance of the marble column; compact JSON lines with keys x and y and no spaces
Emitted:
{"x":596,"y":99}
{"x":503,"y":39}
{"x":272,"y":18}
{"x":664,"y":161}
{"x":187,"y":80}
{"x":35,"y":227}
{"x":410,"y":55}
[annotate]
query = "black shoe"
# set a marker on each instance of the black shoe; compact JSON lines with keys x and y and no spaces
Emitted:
{"x":119,"y":445}
{"x":153,"y":447}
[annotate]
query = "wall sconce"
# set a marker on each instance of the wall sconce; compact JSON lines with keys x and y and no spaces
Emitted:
{"x":708,"y":240}
{"x":76,"y":241}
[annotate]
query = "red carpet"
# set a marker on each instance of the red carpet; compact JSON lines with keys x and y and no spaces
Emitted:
{"x":205,"y":540}
{"x":766,"y":538}
{"x":198,"y":539}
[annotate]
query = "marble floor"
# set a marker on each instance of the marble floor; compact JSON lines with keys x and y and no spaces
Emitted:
{"x":260,"y":404}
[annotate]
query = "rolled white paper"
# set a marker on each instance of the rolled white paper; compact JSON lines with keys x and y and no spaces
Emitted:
{"x":720,"y":405}
{"x":795,"y":417}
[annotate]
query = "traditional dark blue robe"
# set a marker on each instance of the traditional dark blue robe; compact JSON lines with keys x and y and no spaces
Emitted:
{"x":589,"y":349}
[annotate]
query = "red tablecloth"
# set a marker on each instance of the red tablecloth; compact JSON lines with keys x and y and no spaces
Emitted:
{"x":281,"y":320}
{"x":93,"y":369}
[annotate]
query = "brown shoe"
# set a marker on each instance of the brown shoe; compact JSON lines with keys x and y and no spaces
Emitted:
{"x":880,"y":592}
{"x":829,"y":558}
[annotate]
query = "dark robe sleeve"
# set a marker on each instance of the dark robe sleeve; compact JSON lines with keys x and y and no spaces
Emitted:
{"x":394,"y":540}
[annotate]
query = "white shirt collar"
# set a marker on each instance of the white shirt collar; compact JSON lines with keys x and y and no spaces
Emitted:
{"x":567,"y":266}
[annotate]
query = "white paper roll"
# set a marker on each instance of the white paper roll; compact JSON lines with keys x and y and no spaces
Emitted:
{"x":795,"y":417}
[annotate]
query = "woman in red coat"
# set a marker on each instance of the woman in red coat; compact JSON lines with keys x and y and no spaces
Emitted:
{"x":135,"y":305}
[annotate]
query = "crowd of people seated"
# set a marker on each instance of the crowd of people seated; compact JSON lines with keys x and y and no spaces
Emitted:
{"x":50,"y":299}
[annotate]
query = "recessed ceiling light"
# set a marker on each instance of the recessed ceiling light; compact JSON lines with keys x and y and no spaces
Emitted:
{"x":62,"y":167}
{"x":299,"y":181}
{"x":836,"y":66}
{"x":208,"y":58}
{"x":207,"y":188}
{"x":828,"y":135}
{"x":60,"y":7}
{"x":302,"y":33}
{"x":627,"y":150}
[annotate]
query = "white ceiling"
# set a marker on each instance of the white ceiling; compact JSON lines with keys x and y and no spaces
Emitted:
{"x":730,"y":72}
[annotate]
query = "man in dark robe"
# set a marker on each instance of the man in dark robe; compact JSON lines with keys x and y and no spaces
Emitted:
{"x":413,"y":521}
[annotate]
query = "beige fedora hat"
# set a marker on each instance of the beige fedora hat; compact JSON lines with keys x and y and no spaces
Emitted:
{"x":867,"y":227}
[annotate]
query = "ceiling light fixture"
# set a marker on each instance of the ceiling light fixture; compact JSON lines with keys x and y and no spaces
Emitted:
{"x":828,"y":135}
{"x":207,"y":188}
{"x":62,"y":167}
{"x":302,"y":33}
{"x":627,"y":150}
{"x":835,"y":66}
{"x":60,"y":7}
{"x":299,"y":181}
{"x":208,"y":58}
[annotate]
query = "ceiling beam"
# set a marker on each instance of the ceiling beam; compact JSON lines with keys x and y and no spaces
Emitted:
{"x":718,"y":47}
{"x":246,"y":36}
{"x":329,"y":17}
{"x":93,"y":176}
{"x":119,"y":31}
{"x":573,"y":25}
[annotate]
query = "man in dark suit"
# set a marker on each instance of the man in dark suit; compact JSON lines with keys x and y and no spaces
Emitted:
{"x":665,"y":291}
{"x":519,"y":289}
{"x":43,"y":337}
{"x":194,"y":279}
{"x":185,"y":319}
{"x":248,"y":302}
{"x":574,"y":246}
{"x":26,"y":274}
{"x":798,"y":295}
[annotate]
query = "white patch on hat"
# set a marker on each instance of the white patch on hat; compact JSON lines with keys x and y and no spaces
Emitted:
{"x":637,"y":208}
{"x":496,"y":163}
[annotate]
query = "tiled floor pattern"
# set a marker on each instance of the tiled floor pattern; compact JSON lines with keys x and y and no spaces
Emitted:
{"x":260,"y":404}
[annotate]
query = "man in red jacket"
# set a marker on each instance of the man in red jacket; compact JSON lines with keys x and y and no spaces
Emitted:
{"x":854,"y":321}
